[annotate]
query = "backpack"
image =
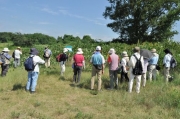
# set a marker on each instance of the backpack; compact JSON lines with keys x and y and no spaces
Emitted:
{"x":2,"y":59}
{"x":46,"y":54}
{"x":13,"y":54}
{"x":29,"y":64}
{"x":137,"y":70}
{"x":61,"y":57}
{"x":173,"y":62}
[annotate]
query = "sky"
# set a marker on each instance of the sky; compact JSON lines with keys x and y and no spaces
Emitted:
{"x":58,"y":17}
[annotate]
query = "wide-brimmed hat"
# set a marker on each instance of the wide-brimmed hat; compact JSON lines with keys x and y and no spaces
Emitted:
{"x":124,"y":54}
{"x":33,"y":51}
{"x":18,"y":47}
{"x":6,"y":50}
{"x":98,"y":48}
{"x":65,"y":50}
{"x":167,"y":51}
{"x":79,"y":51}
{"x":111,"y":51}
{"x":136,"y":49}
{"x":153,"y":50}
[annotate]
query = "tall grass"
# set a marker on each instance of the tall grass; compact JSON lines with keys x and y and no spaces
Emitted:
{"x":58,"y":98}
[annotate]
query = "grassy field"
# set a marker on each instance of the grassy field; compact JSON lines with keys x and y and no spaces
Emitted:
{"x":57,"y":98}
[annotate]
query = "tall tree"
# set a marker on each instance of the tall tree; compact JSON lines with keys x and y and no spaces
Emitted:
{"x":143,"y":20}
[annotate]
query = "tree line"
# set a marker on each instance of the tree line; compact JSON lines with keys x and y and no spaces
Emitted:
{"x":28,"y":40}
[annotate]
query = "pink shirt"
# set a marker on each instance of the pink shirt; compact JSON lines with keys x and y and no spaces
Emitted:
{"x":113,"y":61}
{"x":78,"y":59}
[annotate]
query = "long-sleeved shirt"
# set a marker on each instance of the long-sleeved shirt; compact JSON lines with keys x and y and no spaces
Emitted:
{"x":133,"y":60}
{"x":37,"y":60}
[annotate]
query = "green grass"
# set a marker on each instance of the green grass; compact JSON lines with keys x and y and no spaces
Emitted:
{"x":57,"y":98}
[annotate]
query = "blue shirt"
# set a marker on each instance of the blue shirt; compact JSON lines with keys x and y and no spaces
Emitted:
{"x":154,"y":60}
{"x":97,"y":58}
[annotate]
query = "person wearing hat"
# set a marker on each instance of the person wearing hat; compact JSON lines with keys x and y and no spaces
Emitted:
{"x":124,"y":65}
{"x":63,"y":60}
{"x":166,"y":64}
{"x":78,"y":64}
{"x":152,"y":72}
{"x":33,"y":75}
{"x":47,"y":55}
{"x":132,"y":63}
{"x":113,"y":61}
{"x":5,"y":64}
{"x":16,"y":56}
{"x":97,"y":60}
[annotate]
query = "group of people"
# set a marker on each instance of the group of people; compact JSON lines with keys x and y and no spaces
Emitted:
{"x":125,"y":64}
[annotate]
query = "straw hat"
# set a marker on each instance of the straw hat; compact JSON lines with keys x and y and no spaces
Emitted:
{"x":124,"y":54}
{"x":79,"y":51}
{"x":6,"y":50}
{"x":18,"y":47}
{"x":153,"y":50}
{"x":136,"y":49}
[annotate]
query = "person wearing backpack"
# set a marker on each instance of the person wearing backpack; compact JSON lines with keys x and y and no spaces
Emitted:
{"x":47,"y":55}
{"x":167,"y":64}
{"x":78,"y":65}
{"x":125,"y":67}
{"x":16,"y":55}
{"x":62,"y":61}
{"x":6,"y":61}
{"x":97,"y":60}
{"x":33,"y":75}
{"x":135,"y":69}
{"x":113,"y":61}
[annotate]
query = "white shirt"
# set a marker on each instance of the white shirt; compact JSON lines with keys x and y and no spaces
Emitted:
{"x":37,"y":60}
{"x":17,"y":53}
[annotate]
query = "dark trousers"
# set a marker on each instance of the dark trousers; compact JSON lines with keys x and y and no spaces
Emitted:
{"x":4,"y":69}
{"x":77,"y":74}
{"x":124,"y":76}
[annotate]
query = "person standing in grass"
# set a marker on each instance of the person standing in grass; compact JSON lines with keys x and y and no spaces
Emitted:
{"x":124,"y":65}
{"x":63,"y":60}
{"x":143,"y":77}
{"x":97,"y":61}
{"x":47,"y":56}
{"x":113,"y":61}
{"x":17,"y":54}
{"x":152,"y":65}
{"x":33,"y":75}
{"x":166,"y":64}
{"x":132,"y":64}
{"x":78,"y":65}
{"x":6,"y":62}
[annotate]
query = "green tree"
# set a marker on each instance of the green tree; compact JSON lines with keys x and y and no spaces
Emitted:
{"x":87,"y":39}
{"x":143,"y":20}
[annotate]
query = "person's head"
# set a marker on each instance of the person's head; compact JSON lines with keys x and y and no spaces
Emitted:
{"x":98,"y":48}
{"x":136,"y":49}
{"x":33,"y":51}
{"x":111,"y":51}
{"x":79,"y":51}
{"x":167,"y":51}
{"x":19,"y":48}
{"x":65,"y":50}
{"x":124,"y":54}
{"x":5,"y":50}
{"x":46,"y":47}
{"x":153,"y":50}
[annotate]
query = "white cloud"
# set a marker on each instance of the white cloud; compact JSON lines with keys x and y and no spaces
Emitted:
{"x":49,"y":11}
{"x":44,"y":23}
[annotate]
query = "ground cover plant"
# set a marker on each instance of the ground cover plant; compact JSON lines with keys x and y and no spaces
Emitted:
{"x":58,"y":98}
